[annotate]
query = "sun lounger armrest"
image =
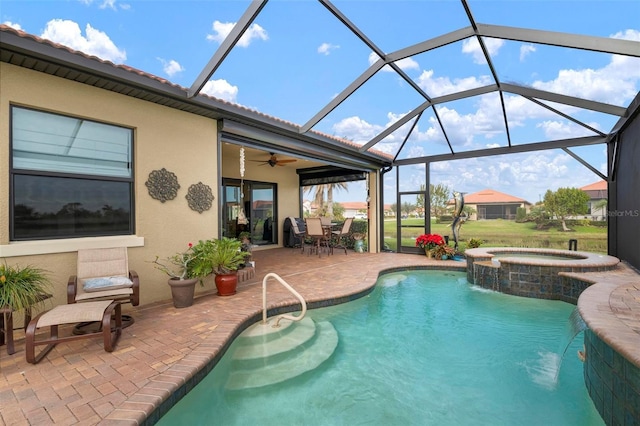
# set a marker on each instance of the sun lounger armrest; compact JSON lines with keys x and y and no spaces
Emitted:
{"x":72,"y":289}
{"x":135,"y":297}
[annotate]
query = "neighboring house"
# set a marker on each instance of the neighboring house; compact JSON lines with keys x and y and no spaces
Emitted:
{"x":492,"y":204}
{"x":597,"y":193}
{"x":356,"y":209}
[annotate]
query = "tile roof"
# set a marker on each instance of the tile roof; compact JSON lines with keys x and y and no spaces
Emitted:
{"x":596,"y":186}
{"x":491,"y":196}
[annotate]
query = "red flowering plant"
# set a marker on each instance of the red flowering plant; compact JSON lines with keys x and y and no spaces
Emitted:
{"x":429,"y":241}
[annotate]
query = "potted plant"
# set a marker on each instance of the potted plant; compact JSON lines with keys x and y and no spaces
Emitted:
{"x":428,"y":242}
{"x":185,"y":269}
{"x":245,"y":240}
{"x":358,"y":241}
{"x":444,"y":252}
{"x":224,"y":260}
{"x":22,"y":287}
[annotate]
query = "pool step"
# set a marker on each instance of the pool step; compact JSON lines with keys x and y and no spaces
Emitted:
{"x":266,"y":355}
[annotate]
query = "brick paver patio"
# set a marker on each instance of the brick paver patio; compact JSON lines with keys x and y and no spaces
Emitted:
{"x":80,"y":383}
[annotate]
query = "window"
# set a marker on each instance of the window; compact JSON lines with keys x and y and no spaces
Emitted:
{"x":70,"y":177}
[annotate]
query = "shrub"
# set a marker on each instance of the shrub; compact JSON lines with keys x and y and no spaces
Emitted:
{"x":474,"y":243}
{"x":445,"y":219}
{"x":21,"y":287}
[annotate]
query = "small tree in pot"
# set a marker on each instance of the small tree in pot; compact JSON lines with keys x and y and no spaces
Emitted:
{"x":185,"y":269}
{"x":225,"y":259}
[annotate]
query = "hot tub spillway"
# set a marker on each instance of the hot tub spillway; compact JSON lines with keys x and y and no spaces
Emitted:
{"x":265,"y":355}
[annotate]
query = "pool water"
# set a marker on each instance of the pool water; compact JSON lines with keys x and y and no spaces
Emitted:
{"x":424,"y":348}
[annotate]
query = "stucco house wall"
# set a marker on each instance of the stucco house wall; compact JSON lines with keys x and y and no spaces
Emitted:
{"x":185,"y":144}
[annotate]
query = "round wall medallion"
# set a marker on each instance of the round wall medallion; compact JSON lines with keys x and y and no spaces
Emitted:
{"x":162,"y":185}
{"x":200,"y":197}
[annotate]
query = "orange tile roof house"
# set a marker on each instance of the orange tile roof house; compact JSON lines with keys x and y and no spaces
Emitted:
{"x":492,"y":204}
{"x":597,"y":192}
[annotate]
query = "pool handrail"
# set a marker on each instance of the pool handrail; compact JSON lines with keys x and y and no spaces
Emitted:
{"x":288,"y":287}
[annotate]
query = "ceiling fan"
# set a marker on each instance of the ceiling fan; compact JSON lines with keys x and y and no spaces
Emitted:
{"x":273,"y":161}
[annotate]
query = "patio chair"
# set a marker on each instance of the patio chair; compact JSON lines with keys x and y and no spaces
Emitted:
{"x":326,"y":221}
{"x":104,"y":274}
{"x":316,"y":233}
{"x":345,"y":231}
{"x":298,"y":235}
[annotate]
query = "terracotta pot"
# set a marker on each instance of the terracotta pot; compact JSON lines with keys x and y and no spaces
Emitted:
{"x":182,"y":291}
{"x":227,"y":284}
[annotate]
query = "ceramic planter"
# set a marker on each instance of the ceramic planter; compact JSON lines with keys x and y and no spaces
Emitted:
{"x":182,"y":291}
{"x":227,"y":283}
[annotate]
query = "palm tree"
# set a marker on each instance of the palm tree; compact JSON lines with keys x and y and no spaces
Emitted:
{"x":319,"y":196}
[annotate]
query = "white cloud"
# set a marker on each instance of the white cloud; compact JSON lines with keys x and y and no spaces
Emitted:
{"x":326,"y":48}
{"x":525,"y":50}
{"x":444,"y":85}
{"x":373,"y":58}
{"x":356,"y":129}
{"x":404,"y":64}
{"x":615,"y":83}
{"x":222,"y":30}
{"x":472,"y":46}
{"x":108,"y":4}
{"x":13,"y":25}
{"x":221,"y":89}
{"x":95,"y":43}
{"x":171,"y":67}
{"x":564,"y":129}
{"x":111,"y":4}
{"x":633,"y":35}
{"x":408,"y":64}
{"x":526,"y":175}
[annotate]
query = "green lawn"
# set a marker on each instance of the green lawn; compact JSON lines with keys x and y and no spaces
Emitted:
{"x":506,"y":233}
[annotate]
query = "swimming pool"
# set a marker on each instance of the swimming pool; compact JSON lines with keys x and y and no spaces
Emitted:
{"x":424,"y":347}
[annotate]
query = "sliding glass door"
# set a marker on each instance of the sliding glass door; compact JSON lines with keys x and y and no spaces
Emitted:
{"x":259,"y":205}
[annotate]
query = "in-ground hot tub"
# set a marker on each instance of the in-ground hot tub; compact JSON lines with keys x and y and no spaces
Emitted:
{"x":533,"y":272}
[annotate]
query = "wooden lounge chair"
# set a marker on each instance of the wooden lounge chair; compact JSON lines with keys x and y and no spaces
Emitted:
{"x":102,"y":311}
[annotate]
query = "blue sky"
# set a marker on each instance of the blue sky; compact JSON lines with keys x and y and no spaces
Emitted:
{"x":296,"y":57}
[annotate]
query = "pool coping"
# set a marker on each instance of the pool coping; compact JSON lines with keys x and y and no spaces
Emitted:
{"x":581,"y":258}
{"x":610,"y":307}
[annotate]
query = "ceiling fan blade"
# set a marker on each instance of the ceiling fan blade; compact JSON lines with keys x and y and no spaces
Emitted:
{"x":287,"y":161}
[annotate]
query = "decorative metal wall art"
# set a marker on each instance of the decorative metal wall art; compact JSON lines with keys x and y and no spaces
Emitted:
{"x":200,"y":197}
{"x":163,"y":185}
